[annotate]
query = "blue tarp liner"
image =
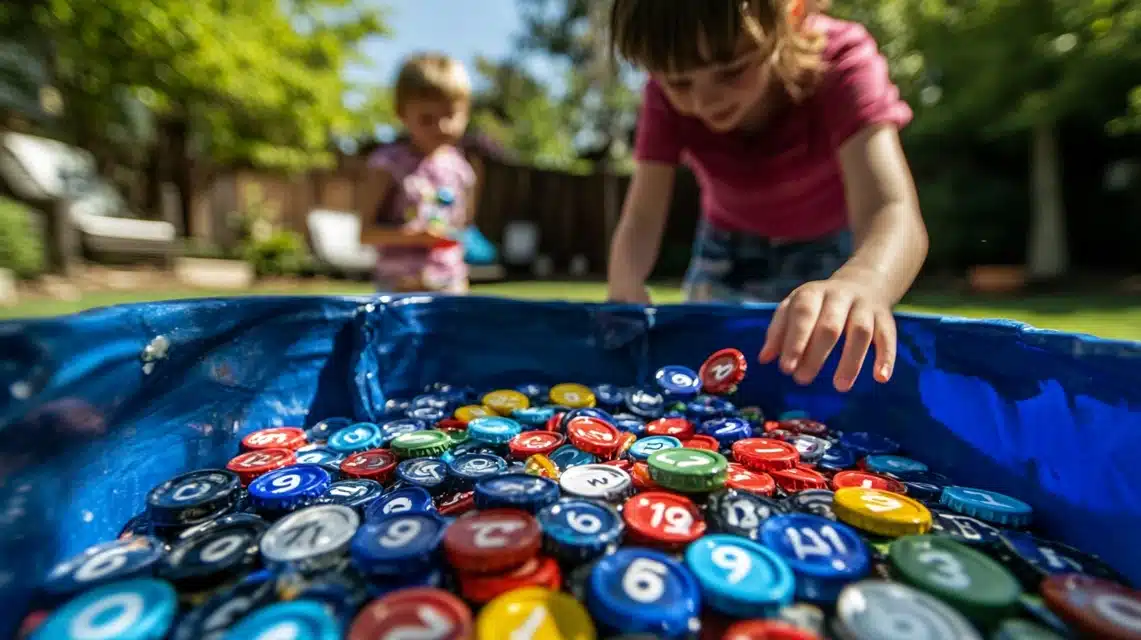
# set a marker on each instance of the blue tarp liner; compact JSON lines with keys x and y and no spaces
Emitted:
{"x":91,"y":418}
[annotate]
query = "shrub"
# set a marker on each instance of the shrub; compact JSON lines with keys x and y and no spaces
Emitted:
{"x":21,"y":242}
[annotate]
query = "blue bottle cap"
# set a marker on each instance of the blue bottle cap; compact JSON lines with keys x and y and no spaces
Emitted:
{"x":810,"y":448}
{"x":608,"y":395}
{"x":837,"y":458}
{"x":922,"y":485}
{"x":215,"y":555}
{"x":533,"y":416}
{"x":739,"y":513}
{"x":493,"y":430}
{"x":1035,"y":558}
{"x":641,"y":450}
{"x":356,"y":494}
{"x":193,"y":497}
{"x":577,"y":530}
{"x":429,"y":473}
{"x":630,"y":424}
{"x":402,"y":500}
{"x":793,"y":414}
{"x":961,"y":528}
{"x":824,"y":555}
{"x":316,"y":454}
{"x":643,"y":591}
{"x":355,"y":437}
{"x":121,"y":559}
{"x":210,"y":620}
{"x":139,"y":609}
{"x":893,"y":464}
{"x":568,"y":456}
{"x":988,"y":506}
{"x":298,"y":620}
{"x":398,"y":543}
{"x":321,"y":431}
{"x":584,"y":412}
{"x":646,"y":403}
{"x":389,"y":430}
{"x":433,"y":577}
{"x":817,"y":502}
{"x":534,"y":392}
{"x":739,"y":577}
{"x":289,"y":487}
{"x":678,"y":382}
{"x":516,"y":491}
{"x":427,"y":415}
{"x":396,"y":406}
{"x":472,"y":467}
{"x":869,"y":444}
{"x":433,"y":400}
{"x":727,"y":430}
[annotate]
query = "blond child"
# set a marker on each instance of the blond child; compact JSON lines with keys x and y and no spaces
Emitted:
{"x":420,"y":196}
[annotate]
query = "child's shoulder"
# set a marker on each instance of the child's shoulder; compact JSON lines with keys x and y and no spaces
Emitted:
{"x":396,"y":158}
{"x":846,"y":43}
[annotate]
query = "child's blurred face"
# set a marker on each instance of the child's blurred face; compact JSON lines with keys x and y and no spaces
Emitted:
{"x":725,"y":95}
{"x":434,"y":123}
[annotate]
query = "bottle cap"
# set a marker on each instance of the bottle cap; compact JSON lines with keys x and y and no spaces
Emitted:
{"x":492,"y":540}
{"x":678,"y":382}
{"x":926,"y":486}
{"x":798,"y":478}
{"x":723,"y":371}
{"x":868,"y":481}
{"x":881,"y":512}
{"x":818,"y":502}
{"x":988,"y":506}
{"x":252,"y":464}
{"x":289,"y":488}
{"x":404,"y":499}
{"x":535,"y":612}
{"x":117,"y":560}
{"x":529,"y":443}
{"x":393,"y":428}
{"x":320,"y":432}
{"x":577,"y":530}
{"x":301,"y":619}
{"x":418,"y":612}
{"x":643,"y":591}
{"x":420,"y":444}
{"x":469,"y":468}
{"x":533,"y":416}
{"x":138,"y":609}
{"x":767,"y":630}
{"x":677,"y":427}
{"x":536,"y":393}
{"x":473,"y":411}
{"x":355,"y":494}
{"x":194,"y":497}
{"x":765,"y":454}
{"x":373,"y":464}
{"x":662,"y":519}
{"x":969,"y":581}
{"x":540,"y":571}
{"x":744,"y":479}
{"x":214,"y":555}
{"x":964,"y":529}
{"x":811,"y":448}
{"x":739,"y":577}
{"x":516,"y":491}
{"x":317,"y":454}
{"x":689,"y":470}
{"x":644,"y":447}
{"x":456,"y":504}
{"x":597,"y":482}
{"x":709,"y":443}
{"x":739,"y":513}
{"x":727,"y":430}
{"x":542,"y":466}
{"x":356,"y":437}
{"x":431,"y":474}
{"x":311,"y":539}
{"x":646,"y":402}
{"x":824,"y":555}
{"x":211,"y":620}
{"x":568,"y":456}
{"x":1098,"y":608}
{"x":398,"y":543}
{"x":804,"y":426}
{"x":276,"y":438}
{"x":869,"y":444}
{"x":609,"y":395}
{"x":1034,"y":558}
{"x":572,"y":396}
{"x":893,"y":464}
{"x":837,"y":458}
{"x":504,"y":401}
{"x":877,"y":610}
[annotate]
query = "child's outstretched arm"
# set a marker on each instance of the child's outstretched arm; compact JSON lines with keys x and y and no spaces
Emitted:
{"x":638,"y":236}
{"x":856,"y":302}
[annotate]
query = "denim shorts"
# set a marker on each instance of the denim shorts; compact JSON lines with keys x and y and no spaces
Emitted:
{"x":732,"y":266}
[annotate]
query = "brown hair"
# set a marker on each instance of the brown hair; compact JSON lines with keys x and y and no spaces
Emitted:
{"x":431,"y":76}
{"x":680,"y":35}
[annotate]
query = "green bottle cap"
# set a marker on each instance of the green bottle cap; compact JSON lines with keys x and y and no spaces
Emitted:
{"x":966,"y":579}
{"x":457,"y":436}
{"x":692,"y":470}
{"x":1019,"y":629}
{"x":419,"y":444}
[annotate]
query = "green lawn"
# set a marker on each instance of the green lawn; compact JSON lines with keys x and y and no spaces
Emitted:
{"x":1102,"y":315}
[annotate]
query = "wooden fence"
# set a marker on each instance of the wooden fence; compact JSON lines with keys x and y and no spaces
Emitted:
{"x":575,"y":214}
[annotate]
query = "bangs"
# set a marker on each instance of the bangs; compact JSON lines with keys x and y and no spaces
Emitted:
{"x":675,"y":36}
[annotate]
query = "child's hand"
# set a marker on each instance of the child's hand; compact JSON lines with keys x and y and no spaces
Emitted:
{"x":809,"y":322}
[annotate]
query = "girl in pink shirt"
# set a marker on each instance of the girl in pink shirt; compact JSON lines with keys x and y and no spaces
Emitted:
{"x":791,"y":124}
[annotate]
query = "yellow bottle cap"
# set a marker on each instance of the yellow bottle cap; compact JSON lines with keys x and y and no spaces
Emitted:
{"x":535,"y":613}
{"x":572,"y":395}
{"x":881,"y":512}
{"x":541,"y":465}
{"x":504,"y":401}
{"x":473,"y":411}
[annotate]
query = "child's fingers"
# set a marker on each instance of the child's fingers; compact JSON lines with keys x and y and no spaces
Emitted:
{"x":803,"y":309}
{"x":857,"y":340}
{"x":885,"y":341}
{"x":774,"y":337}
{"x":826,"y":333}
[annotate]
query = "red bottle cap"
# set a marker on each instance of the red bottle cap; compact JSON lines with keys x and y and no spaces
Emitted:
{"x":679,"y":428}
{"x":798,"y":479}
{"x":451,"y":424}
{"x":1098,"y":608}
{"x":456,"y":504}
{"x":625,"y":441}
{"x":744,"y":479}
{"x":251,"y":464}
{"x":765,"y":454}
{"x":592,"y":435}
{"x":554,"y":423}
{"x":529,"y":443}
{"x":867,"y":481}
{"x":723,"y":371}
{"x":767,"y":630}
{"x":663,"y":518}
{"x":540,"y":571}
{"x":373,"y":464}
{"x":492,"y":541}
{"x":640,"y":475}
{"x":805,"y":426}
{"x":709,"y":443}
{"x":275,"y":438}
{"x":413,"y":611}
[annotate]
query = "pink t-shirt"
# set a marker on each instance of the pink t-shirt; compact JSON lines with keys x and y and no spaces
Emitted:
{"x":784,"y":182}
{"x":416,"y":179}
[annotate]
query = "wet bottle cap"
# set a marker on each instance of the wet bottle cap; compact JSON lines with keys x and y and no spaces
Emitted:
{"x":215,"y":555}
{"x":289,"y":488}
{"x":1033,"y":558}
{"x":431,"y":474}
{"x":739,"y":513}
{"x":689,"y":470}
{"x":810,"y":448}
{"x":881,"y":512}
{"x":311,"y":539}
{"x":968,"y":580}
{"x":321,"y":431}
{"x":371,"y":464}
{"x":393,"y":428}
{"x":678,"y":382}
{"x":798,"y":478}
{"x":576,"y":530}
{"x":275,"y":438}
{"x":597,"y":482}
{"x":572,"y":396}
{"x":643,"y":448}
{"x":646,"y":402}
{"x":723,"y":371}
{"x":529,"y":443}
{"x":492,"y":540}
{"x":744,"y":479}
{"x":740,"y":577}
{"x":643,"y":591}
{"x":504,"y":401}
{"x":1098,"y":608}
{"x":964,"y":529}
{"x":815,"y":501}
{"x":493,"y":430}
{"x":516,"y":491}
{"x":534,"y":612}
{"x":301,"y":620}
{"x":254,"y":463}
{"x":413,"y":613}
{"x":398,"y":543}
{"x":878,"y":610}
{"x":469,"y":468}
{"x":138,"y":609}
{"x":608,"y":395}
{"x":727,"y":430}
{"x":420,"y":444}
{"x":568,"y":456}
{"x":400,"y":500}
{"x":765,"y":454}
{"x":824,"y":555}
{"x":356,"y":437}
{"x":122,"y":559}
{"x":355,"y":494}
{"x":662,"y":519}
{"x":540,"y":571}
{"x":213,"y":618}
{"x":922,"y":485}
{"x":316,"y":454}
{"x":988,"y":506}
{"x":867,"y":480}
{"x":893,"y":464}
{"x":193,"y":497}
{"x":837,"y":458}
{"x":593,"y":435}
{"x":709,"y":443}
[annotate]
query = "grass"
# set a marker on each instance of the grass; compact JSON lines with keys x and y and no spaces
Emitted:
{"x":1102,"y":315}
